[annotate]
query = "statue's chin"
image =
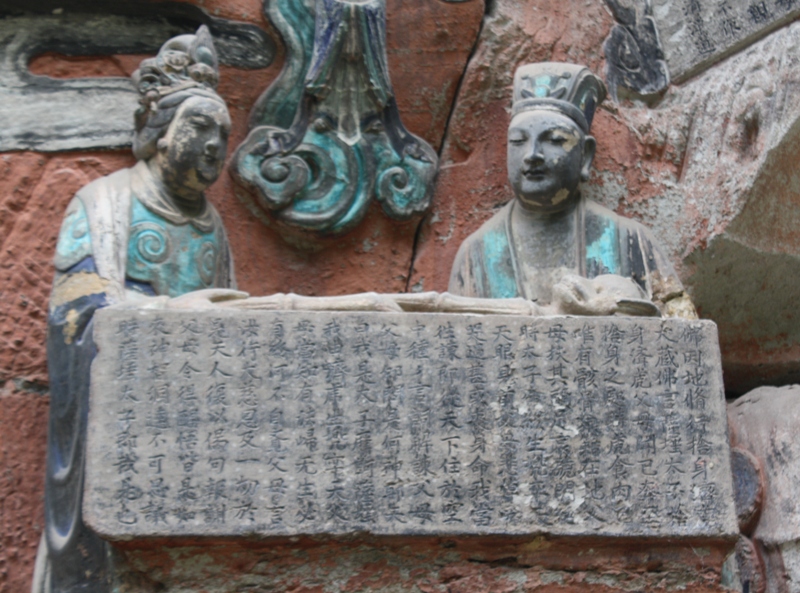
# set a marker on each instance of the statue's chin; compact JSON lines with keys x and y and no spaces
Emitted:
{"x":547,"y":204}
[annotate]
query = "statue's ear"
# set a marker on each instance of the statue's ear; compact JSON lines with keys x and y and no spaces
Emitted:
{"x":589,"y":147}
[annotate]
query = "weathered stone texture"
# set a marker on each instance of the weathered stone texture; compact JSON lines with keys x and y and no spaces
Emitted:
{"x":428,"y":46}
{"x":472,"y":182}
{"x":728,"y":207}
{"x":34,"y":192}
{"x":765,"y":423}
{"x":23,"y":426}
{"x":286,"y":423}
{"x":430,"y":565}
{"x":697,"y":33}
{"x":710,"y":169}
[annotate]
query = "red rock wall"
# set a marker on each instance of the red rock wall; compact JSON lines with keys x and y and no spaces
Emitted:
{"x":429,"y":45}
{"x":461,"y":110}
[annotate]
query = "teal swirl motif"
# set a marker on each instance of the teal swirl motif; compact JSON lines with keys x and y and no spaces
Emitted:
{"x":152,"y":243}
{"x":206,"y":260}
{"x":344,"y":144}
{"x":404,"y":183}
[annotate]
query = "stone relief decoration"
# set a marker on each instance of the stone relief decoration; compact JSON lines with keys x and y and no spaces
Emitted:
{"x":327,"y":413}
{"x":138,"y":237}
{"x":550,"y":244}
{"x":699,"y":34}
{"x":47,"y":114}
{"x":634,"y":57}
{"x":728,"y":208}
{"x":326,"y":136}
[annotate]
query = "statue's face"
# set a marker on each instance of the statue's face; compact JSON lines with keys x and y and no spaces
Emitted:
{"x":192,"y":152}
{"x":548,"y":157}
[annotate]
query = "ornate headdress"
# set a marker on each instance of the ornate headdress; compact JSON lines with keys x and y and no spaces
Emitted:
{"x":553,"y":86}
{"x":186,"y":66}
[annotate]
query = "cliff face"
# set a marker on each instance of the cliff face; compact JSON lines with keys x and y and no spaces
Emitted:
{"x":709,"y":166}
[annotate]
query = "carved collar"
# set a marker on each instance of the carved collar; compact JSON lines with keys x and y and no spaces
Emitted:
{"x":148,"y":192}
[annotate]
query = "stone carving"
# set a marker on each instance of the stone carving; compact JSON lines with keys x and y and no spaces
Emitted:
{"x":126,"y":238}
{"x":230,"y":422}
{"x":46,"y":114}
{"x":696,"y":34}
{"x":634,"y":57}
{"x":764,"y":423}
{"x":327,"y":136}
{"x":550,"y":244}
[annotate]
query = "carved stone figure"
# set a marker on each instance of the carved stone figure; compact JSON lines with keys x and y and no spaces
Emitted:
{"x":128,"y":237}
{"x":550,"y":244}
{"x":328,"y":136}
{"x":634,"y":57}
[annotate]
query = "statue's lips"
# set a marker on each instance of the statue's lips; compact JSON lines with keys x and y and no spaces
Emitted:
{"x":210,"y":169}
{"x":537,"y":174}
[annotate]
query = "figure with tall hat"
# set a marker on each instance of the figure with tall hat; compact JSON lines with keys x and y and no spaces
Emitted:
{"x":550,"y":244}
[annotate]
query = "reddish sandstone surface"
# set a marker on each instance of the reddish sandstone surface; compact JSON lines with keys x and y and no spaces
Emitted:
{"x":641,"y":155}
{"x":428,"y":46}
{"x":23,"y":426}
{"x":428,"y":564}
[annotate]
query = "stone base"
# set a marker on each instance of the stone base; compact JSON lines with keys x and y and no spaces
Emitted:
{"x":426,"y":564}
{"x":319,"y":451}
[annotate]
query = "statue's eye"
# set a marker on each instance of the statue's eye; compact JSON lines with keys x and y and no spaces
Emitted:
{"x":201,"y":123}
{"x":517,"y":137}
{"x":556,"y":138}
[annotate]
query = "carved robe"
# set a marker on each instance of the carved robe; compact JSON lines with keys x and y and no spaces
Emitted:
{"x":488,"y":262}
{"x":120,"y":236}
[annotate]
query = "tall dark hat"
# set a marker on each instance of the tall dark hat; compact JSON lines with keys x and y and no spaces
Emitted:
{"x":554,"y":86}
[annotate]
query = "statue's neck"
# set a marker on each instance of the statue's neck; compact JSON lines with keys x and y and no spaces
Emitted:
{"x":537,"y":217}
{"x":188,"y":202}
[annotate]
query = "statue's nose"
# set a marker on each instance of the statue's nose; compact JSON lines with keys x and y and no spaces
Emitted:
{"x":534,"y":153}
{"x":212,"y":147}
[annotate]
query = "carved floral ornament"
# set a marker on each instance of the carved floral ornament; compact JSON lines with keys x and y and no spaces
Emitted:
{"x":326,"y":136}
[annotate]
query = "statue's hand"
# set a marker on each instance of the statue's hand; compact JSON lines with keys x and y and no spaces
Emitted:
{"x":205,"y":299}
{"x":137,"y":300}
{"x":608,"y":294}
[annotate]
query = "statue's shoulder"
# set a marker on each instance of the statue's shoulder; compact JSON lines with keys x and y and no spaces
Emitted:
{"x":592,"y":208}
{"x":104,"y":188}
{"x":481,"y":256}
{"x":98,"y":199}
{"x":495,"y":224}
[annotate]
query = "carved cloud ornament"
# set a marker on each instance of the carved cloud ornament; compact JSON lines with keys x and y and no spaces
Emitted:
{"x":326,"y":137}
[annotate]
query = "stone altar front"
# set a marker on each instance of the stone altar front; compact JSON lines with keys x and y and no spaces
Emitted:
{"x":284,"y":423}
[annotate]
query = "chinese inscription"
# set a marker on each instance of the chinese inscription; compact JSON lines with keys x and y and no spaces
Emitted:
{"x":288,"y":422}
{"x":695,"y":33}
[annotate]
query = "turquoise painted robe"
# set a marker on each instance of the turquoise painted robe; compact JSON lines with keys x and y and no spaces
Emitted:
{"x":119,"y":236}
{"x":486,"y":265}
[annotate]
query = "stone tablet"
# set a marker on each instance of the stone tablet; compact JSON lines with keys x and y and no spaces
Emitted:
{"x":696,"y":33}
{"x":225,"y":422}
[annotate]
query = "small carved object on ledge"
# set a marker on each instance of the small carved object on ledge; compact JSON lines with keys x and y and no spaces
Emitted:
{"x":128,"y":238}
{"x":327,"y":136}
{"x":549,"y":244}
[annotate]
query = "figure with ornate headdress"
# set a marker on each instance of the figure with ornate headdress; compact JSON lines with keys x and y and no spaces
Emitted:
{"x":132,"y":236}
{"x":550,"y":244}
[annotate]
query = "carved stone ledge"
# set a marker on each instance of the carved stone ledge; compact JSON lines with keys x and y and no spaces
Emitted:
{"x":405,"y":423}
